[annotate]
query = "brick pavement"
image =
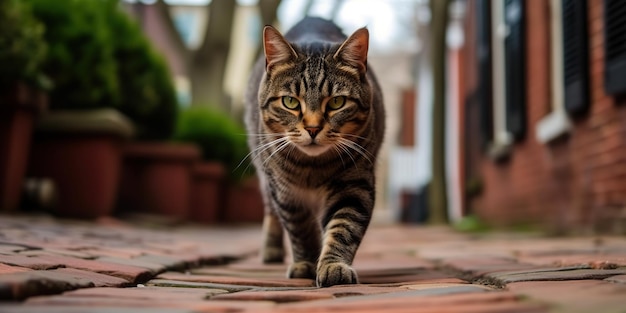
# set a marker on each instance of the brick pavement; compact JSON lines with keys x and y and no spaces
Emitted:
{"x":57,"y":265}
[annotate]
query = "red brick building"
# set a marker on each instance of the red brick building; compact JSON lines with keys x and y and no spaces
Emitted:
{"x":543,"y":135}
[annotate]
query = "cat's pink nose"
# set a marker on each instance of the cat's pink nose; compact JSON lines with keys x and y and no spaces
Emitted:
{"x":313,"y":131}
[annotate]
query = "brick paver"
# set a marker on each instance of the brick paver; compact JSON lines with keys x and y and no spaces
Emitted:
{"x":54,"y":265}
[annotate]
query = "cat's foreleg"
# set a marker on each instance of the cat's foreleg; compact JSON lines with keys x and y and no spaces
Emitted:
{"x":342,"y":236}
{"x":273,"y":245}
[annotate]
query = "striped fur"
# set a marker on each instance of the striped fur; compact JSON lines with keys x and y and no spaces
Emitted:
{"x":316,"y":163}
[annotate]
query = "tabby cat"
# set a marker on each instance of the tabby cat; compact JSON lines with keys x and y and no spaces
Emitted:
{"x":315,"y":118}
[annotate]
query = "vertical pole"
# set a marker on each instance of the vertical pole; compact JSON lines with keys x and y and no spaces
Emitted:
{"x":437,"y":190}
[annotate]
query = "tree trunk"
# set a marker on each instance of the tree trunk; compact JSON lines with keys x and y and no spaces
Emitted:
{"x":164,"y":13}
{"x":437,"y":192}
{"x":207,"y":80}
{"x":268,"y":10}
{"x":208,"y":66}
{"x":335,"y":10}
{"x":307,"y":8}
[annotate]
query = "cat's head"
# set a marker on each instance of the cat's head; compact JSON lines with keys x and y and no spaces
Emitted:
{"x":316,"y":94}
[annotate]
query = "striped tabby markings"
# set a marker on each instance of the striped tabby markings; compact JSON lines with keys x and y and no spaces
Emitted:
{"x":341,"y":240}
{"x":324,"y":239}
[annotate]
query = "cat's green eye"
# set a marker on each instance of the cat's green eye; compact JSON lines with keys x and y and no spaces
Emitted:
{"x":291,"y":102}
{"x":336,"y":103}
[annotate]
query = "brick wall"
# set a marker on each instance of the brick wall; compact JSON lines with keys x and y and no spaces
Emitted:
{"x":577,"y":183}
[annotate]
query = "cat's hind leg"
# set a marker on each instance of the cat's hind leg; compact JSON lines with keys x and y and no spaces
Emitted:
{"x":304,"y":236}
{"x":305,"y":246}
{"x":273,"y":245}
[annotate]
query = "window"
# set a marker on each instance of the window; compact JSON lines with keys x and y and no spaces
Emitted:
{"x":557,"y":123}
{"x":502,"y":70}
{"x":483,"y":20}
{"x":575,"y":56}
{"x":515,"y":68}
{"x":407,"y":128}
{"x":508,"y":75}
{"x":502,"y":138}
{"x":615,"y":46}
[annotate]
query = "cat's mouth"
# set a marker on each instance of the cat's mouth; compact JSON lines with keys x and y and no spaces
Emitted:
{"x":313,"y":149}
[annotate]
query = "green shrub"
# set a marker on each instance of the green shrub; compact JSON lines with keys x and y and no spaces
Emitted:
{"x":148,"y":96}
{"x":219,"y":137}
{"x":80,"y":58}
{"x":99,"y":57}
{"x":22,"y":48}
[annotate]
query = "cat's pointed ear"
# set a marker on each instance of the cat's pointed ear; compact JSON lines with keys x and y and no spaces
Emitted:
{"x":276,"y":47}
{"x":353,"y":51}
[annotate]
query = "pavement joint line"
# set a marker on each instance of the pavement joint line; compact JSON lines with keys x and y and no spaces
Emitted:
{"x":225,"y":260}
{"x":489,"y":282}
{"x":12,"y":243}
{"x":472,"y":278}
{"x":467,"y":276}
{"x":141,"y":279}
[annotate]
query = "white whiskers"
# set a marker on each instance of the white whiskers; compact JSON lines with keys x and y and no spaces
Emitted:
{"x":355,"y":136}
{"x":339,"y":154}
{"x":281,"y":142}
{"x":347,"y":145}
{"x":284,"y":143}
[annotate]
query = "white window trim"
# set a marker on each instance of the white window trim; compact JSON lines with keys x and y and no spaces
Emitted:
{"x":557,"y":123}
{"x":502,"y":138}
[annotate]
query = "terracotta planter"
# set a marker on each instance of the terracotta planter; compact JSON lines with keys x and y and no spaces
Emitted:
{"x":245,"y":203}
{"x":80,"y":151}
{"x":19,"y":106}
{"x":207,"y":192}
{"x":157,"y":178}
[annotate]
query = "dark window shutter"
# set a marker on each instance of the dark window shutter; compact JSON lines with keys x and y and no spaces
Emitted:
{"x":483,"y":29}
{"x":575,"y":56}
{"x":615,"y":46}
{"x":515,"y":61}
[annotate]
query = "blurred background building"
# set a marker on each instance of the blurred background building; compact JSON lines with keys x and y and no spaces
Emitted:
{"x":529,"y":108}
{"x":393,"y":50}
{"x":509,"y":112}
{"x":535,"y":101}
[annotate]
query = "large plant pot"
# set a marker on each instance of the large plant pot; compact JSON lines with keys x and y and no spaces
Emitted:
{"x":157,"y":178}
{"x":244,"y":203}
{"x":207,"y":192}
{"x":19,"y":107}
{"x":80,"y":151}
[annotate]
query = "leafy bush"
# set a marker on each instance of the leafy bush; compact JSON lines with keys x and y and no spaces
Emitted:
{"x":22,"y":48}
{"x":99,"y":57}
{"x":147,"y":94}
{"x":219,"y":137}
{"x":80,"y":58}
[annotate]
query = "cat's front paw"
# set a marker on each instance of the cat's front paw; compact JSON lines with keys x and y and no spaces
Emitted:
{"x":331,"y":274}
{"x":301,"y":270}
